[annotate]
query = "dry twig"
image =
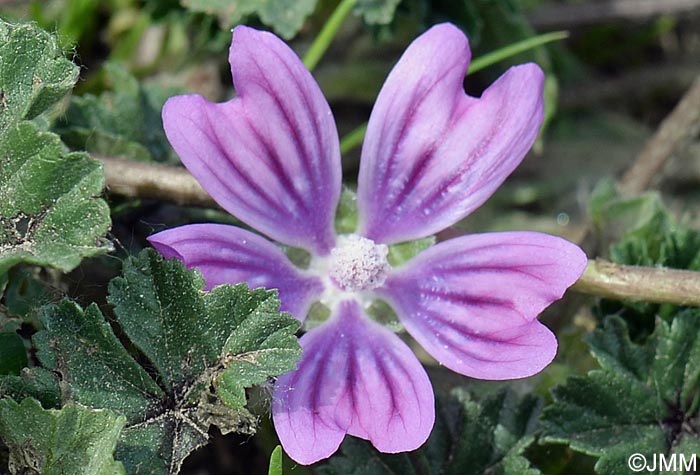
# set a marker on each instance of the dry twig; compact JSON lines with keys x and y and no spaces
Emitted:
{"x":154,"y":181}
{"x":677,"y":129}
{"x":649,"y":284}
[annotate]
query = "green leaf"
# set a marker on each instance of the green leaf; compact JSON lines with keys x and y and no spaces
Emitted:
{"x":34,"y":74}
{"x":25,"y":293}
{"x":643,"y":399}
{"x":642,"y":232}
{"x":49,"y":213}
{"x":275,"y":462}
{"x":469,"y":438}
{"x":13,"y":356}
{"x":286,"y":17}
{"x":72,"y":441}
{"x":495,"y":434}
{"x":98,"y":369}
{"x":36,"y":383}
{"x":377,"y":12}
{"x":124,"y":122}
{"x":617,"y":218}
{"x":202,"y":350}
{"x":49,"y":210}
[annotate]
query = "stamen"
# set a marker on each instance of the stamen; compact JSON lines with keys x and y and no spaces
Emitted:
{"x":358,"y":263}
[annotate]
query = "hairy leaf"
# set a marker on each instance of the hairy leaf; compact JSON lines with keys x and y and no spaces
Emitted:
{"x":202,"y":351}
{"x":643,"y":399}
{"x":34,"y":74}
{"x":49,"y":210}
{"x":286,"y":17}
{"x":124,"y":122}
{"x":36,"y":383}
{"x":72,"y":441}
{"x":469,"y":438}
{"x":25,"y":293}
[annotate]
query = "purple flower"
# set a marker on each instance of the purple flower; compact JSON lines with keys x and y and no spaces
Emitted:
{"x":431,"y":156}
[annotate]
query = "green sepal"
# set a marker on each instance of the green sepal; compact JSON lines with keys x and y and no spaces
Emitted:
{"x":346,"y":213}
{"x":275,"y":462}
{"x":400,"y":253}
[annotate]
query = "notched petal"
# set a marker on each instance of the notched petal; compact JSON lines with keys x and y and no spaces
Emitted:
{"x":432,"y":154}
{"x":472,"y":301}
{"x":358,"y":378}
{"x":271,"y":155}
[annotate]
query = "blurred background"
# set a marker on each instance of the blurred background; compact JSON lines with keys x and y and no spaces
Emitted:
{"x":621,"y":71}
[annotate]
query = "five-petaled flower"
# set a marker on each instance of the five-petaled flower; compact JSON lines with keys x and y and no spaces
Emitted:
{"x":431,"y":155}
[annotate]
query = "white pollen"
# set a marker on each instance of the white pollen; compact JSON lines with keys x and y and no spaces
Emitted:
{"x":358,"y":263}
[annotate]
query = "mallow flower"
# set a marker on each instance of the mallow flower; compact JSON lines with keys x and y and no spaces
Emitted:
{"x":431,"y":155}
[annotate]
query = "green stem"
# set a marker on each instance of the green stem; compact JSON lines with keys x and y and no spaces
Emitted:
{"x":513,"y":49}
{"x":327,"y":33}
{"x":354,"y":138}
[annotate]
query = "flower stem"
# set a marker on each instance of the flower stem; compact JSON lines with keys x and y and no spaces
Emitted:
{"x":327,"y":33}
{"x":513,"y":49}
{"x":354,"y":138}
{"x":640,"y":284}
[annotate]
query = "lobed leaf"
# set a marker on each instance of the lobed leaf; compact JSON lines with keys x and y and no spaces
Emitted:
{"x":36,"y":383}
{"x":199,"y":352}
{"x":72,"y":441}
{"x":642,"y":400}
{"x":34,"y":74}
{"x":49,"y":210}
{"x":123,"y":122}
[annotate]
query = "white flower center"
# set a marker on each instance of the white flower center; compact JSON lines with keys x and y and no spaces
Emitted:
{"x":358,"y":263}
